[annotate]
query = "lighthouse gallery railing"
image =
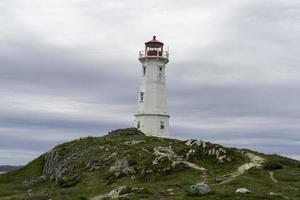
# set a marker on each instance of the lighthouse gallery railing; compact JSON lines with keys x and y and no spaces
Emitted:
{"x":163,"y":54}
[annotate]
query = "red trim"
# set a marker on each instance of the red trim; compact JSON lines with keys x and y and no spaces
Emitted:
{"x":154,"y":53}
{"x":154,"y":41}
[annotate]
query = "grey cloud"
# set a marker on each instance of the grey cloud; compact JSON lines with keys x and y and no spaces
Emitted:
{"x":70,"y":68}
{"x":233,"y":101}
{"x":17,"y":156}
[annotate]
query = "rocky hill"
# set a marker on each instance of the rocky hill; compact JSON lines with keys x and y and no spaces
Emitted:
{"x":125,"y":164}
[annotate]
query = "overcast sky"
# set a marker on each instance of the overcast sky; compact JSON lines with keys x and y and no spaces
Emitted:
{"x":70,"y":69}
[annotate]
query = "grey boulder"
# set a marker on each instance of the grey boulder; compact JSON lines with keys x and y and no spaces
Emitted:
{"x":199,"y":189}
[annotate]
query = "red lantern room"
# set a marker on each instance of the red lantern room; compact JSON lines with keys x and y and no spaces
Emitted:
{"x":154,"y":48}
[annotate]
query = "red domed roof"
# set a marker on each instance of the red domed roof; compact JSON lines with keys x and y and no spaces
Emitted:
{"x":154,"y":41}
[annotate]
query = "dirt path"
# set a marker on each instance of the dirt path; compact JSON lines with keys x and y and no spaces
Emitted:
{"x":272,"y":177}
{"x":255,"y":161}
{"x":114,"y":194}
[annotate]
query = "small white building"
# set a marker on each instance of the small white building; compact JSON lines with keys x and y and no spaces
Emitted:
{"x":152,"y":117}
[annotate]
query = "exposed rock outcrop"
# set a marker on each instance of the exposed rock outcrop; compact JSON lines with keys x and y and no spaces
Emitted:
{"x":134,"y":142}
{"x":32,"y":181}
{"x":107,"y":158}
{"x":53,"y":168}
{"x":162,"y":153}
{"x":199,"y":147}
{"x":199,"y":189}
{"x":66,"y":181}
{"x":122,"y":167}
{"x":92,"y":165}
{"x":126,"y":131}
{"x":60,"y":162}
{"x":167,"y":153}
{"x":242,"y":191}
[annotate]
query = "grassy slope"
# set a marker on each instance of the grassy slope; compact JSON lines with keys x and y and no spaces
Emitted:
{"x":96,"y":182}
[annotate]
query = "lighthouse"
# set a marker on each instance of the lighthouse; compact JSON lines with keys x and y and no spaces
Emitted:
{"x":152,"y":117}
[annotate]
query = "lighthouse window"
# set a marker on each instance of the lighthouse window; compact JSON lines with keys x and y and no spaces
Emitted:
{"x":141,"y":96}
{"x":144,"y":71}
{"x":162,"y":125}
{"x":160,"y":74}
{"x":138,"y":125}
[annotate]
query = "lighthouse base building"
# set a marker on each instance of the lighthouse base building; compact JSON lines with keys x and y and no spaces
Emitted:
{"x":152,"y":117}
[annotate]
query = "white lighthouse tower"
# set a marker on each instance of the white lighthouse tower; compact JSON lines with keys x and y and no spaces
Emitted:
{"x":152,"y":117}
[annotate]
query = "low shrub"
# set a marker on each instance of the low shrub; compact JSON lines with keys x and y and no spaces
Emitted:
{"x":271,"y":165}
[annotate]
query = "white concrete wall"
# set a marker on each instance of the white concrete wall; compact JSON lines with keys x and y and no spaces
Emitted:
{"x":153,"y":109}
{"x":150,"y":125}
